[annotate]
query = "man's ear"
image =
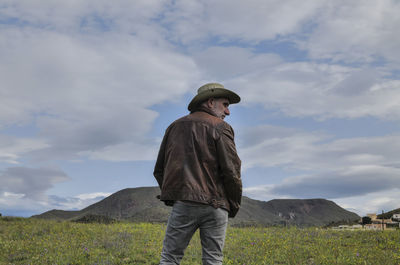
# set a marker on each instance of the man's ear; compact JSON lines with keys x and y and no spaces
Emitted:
{"x":210,"y":102}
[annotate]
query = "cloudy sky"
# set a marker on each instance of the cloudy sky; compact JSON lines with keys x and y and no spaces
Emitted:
{"x":89,"y":86}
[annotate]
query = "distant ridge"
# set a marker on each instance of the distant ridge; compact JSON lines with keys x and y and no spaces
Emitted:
{"x":141,"y":205}
{"x":389,"y":214}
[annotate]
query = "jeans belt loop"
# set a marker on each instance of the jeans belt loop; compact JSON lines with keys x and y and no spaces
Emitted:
{"x":214,"y":203}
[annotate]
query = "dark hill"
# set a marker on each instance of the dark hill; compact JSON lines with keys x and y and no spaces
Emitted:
{"x":141,"y":205}
{"x":309,"y":212}
{"x":134,"y":204}
{"x":388,"y":215}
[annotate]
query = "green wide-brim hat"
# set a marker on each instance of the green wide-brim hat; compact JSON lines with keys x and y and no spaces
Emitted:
{"x":213,"y":90}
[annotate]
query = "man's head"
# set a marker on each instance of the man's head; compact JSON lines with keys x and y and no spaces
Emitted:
{"x":214,"y":92}
{"x":220,"y":106}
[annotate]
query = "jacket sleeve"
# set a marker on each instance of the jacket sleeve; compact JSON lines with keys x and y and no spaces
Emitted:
{"x":230,"y":168}
{"x":159,"y":166}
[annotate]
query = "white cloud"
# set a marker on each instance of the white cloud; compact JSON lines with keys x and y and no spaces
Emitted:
{"x":359,"y":31}
{"x":13,"y":196}
{"x":78,"y":202}
{"x":351,"y":181}
{"x":64,"y":74}
{"x":88,"y":15}
{"x":128,"y":151}
{"x":320,"y":90}
{"x":26,"y":206}
{"x":250,"y":21}
{"x":336,"y":168}
{"x":87,"y":93}
{"x":340,"y":30}
{"x":31,"y":182}
{"x":13,"y":148}
{"x":227,"y":62}
{"x":80,"y":76}
{"x":375,"y":202}
{"x":356,"y":31}
{"x":95,"y":195}
{"x":18,"y":205}
{"x":262,"y":193}
{"x":269,"y":146}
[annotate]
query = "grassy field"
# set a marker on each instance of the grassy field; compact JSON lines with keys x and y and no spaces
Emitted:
{"x":30,"y":241}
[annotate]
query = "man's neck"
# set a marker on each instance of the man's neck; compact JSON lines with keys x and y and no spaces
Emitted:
{"x":204,"y":109}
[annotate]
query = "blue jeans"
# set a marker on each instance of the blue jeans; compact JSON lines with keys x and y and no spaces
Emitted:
{"x":183,"y":221}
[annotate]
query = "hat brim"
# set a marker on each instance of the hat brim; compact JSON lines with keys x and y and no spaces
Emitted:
{"x":214,"y":93}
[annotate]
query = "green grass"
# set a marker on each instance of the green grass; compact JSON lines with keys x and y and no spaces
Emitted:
{"x":33,"y":241}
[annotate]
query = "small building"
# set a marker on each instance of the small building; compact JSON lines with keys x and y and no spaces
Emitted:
{"x":375,"y":226}
{"x":380,"y":221}
{"x":373,"y":216}
{"x":396,"y":217}
{"x":393,"y":225}
{"x":347,"y":227}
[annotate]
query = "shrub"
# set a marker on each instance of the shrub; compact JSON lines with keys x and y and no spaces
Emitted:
{"x":92,"y":218}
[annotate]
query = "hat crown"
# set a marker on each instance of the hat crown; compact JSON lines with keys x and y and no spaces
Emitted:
{"x":208,"y":87}
{"x":214,"y":90}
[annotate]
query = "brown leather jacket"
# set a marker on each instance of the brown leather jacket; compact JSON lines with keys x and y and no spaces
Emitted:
{"x":198,"y":162}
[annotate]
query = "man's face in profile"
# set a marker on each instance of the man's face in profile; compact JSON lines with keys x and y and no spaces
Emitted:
{"x":220,"y":106}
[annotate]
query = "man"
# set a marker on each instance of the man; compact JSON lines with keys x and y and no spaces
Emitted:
{"x":198,"y":171}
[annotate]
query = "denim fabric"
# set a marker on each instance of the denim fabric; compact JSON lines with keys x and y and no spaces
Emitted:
{"x":184,"y":220}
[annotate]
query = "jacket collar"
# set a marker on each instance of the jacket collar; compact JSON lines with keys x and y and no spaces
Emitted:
{"x":204,"y":109}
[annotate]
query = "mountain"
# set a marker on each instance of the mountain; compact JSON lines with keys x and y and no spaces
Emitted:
{"x":133,"y":204}
{"x":141,"y":205}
